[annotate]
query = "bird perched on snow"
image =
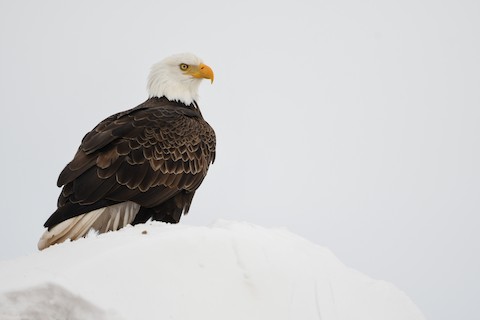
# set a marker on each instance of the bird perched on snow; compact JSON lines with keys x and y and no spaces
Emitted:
{"x":143,"y":163}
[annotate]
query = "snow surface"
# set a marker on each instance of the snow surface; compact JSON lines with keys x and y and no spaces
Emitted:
{"x":49,"y":301}
{"x":230,"y":270}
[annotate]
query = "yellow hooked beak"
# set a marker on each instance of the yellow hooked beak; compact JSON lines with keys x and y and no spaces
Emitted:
{"x":201,"y":71}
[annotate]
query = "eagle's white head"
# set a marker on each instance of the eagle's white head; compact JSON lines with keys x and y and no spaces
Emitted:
{"x":178,"y":77}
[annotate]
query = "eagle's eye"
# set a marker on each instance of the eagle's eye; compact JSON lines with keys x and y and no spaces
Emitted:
{"x":184,"y":66}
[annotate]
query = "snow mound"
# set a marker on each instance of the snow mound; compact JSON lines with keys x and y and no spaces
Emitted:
{"x":227,"y":271}
{"x":48,"y":301}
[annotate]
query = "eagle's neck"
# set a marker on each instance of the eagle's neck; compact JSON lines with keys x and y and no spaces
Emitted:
{"x":163,"y":101}
{"x":174,"y":92}
{"x":161,"y":83}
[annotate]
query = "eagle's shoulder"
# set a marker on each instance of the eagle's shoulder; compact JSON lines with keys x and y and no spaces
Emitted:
{"x":153,"y":113}
{"x":158,"y":131}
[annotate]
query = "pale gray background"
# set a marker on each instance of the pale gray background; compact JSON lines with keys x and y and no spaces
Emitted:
{"x":353,"y":123}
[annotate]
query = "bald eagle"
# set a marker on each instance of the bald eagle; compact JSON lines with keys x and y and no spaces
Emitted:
{"x":140,"y":164}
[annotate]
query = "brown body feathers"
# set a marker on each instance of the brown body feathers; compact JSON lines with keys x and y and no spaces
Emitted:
{"x":155,"y":155}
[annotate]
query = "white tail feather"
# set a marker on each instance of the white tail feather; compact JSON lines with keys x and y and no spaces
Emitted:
{"x":101,"y":220}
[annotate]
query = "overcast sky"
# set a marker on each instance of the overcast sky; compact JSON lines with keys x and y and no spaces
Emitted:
{"x":354,"y":124}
